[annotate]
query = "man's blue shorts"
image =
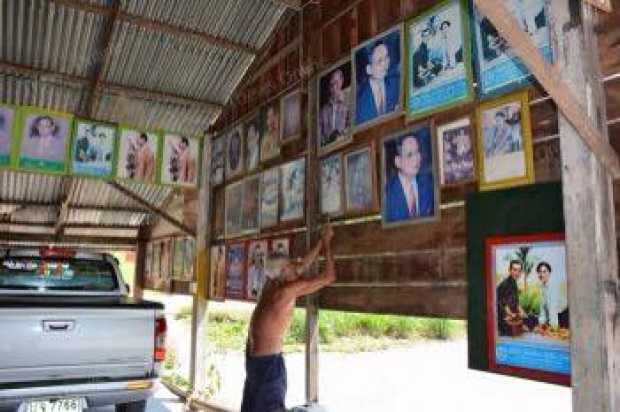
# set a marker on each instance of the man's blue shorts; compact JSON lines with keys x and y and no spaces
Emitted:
{"x":265,"y":384}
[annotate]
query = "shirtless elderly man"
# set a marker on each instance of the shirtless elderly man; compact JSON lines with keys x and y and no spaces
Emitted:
{"x":265,"y":385}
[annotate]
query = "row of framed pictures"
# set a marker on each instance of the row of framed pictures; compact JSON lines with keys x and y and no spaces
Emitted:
{"x":45,"y":141}
{"x":258,"y":139}
{"x":264,"y":200}
{"x":167,"y":260}
{"x":239,"y":269}
{"x":427,"y":62}
{"x":418,"y":68}
{"x":415,"y":162}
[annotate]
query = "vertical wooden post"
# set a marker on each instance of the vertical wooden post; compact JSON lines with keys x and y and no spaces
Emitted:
{"x":312,"y":344}
{"x":199,"y":353}
{"x":592,"y":262}
{"x":138,"y":282}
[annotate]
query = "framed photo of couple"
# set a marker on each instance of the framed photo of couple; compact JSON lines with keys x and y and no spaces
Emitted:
{"x":439,"y":74}
{"x":504,"y":142}
{"x":527,"y":322}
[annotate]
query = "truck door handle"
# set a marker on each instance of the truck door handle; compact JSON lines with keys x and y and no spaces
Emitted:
{"x":58,"y":325}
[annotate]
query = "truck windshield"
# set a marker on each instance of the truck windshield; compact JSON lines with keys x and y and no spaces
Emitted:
{"x":47,"y":274}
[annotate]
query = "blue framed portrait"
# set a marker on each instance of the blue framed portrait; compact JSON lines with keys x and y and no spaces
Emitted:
{"x":499,"y":69}
{"x":93,"y":149}
{"x":409,"y":178}
{"x":439,"y":69}
{"x":236,"y":260}
{"x":377,"y":78}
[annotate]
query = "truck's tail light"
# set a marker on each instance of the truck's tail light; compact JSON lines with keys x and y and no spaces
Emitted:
{"x":159,"y":353}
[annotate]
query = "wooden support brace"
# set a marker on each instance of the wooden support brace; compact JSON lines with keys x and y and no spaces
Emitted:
{"x":550,"y":79}
{"x":604,"y":5}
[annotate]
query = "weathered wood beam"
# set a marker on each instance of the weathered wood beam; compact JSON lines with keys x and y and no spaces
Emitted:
{"x":591,"y":244}
{"x":604,"y":5}
{"x":68,"y":191}
{"x":106,"y":52}
{"x":69,"y":225}
{"x":52,"y":76}
{"x":51,"y":239}
{"x":551,"y":80}
{"x":129,"y":193}
{"x":161,"y":27}
{"x":282,"y":54}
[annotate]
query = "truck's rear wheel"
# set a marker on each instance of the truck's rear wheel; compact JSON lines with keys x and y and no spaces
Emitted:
{"x":138,"y":406}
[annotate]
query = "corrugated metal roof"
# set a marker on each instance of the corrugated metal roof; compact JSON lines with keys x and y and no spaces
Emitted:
{"x":49,"y":54}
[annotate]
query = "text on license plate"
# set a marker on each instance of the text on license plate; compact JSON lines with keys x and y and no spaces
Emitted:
{"x":56,"y":405}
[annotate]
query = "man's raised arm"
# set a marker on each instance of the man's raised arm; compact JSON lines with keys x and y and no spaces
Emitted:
{"x":305,"y":286}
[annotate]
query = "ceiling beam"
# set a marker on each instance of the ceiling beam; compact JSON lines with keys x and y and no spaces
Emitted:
{"x":102,"y":64}
{"x":157,"y":211}
{"x":69,"y":187}
{"x":111,"y":87}
{"x":551,"y":80}
{"x":51,"y":239}
{"x":291,"y":4}
{"x":145,"y":23}
{"x":94,"y":208}
{"x":70,"y":225}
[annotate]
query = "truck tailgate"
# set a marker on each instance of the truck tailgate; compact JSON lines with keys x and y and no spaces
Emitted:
{"x":41,"y":344}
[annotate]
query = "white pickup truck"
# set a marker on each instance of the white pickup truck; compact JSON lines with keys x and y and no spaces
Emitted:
{"x":71,"y":337}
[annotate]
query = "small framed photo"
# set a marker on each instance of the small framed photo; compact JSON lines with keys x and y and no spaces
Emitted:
{"x":280,"y":247}
{"x":217,"y":280}
{"x":234,"y":152}
{"x":270,"y":142}
{"x":44,"y":140}
{"x":253,"y":135}
{"x":218,"y":160}
{"x":93,"y":149}
{"x":409,"y":179}
{"x":499,"y":69}
{"x":456,"y":152}
{"x":334,"y":107}
{"x":236,"y":259}
{"x":291,"y":117}
{"x":377,"y":78}
{"x":527,"y":307}
{"x":269,"y":197}
{"x":8,"y":115}
{"x":138,"y":155}
{"x":232,"y":209}
{"x":293,"y":184}
{"x":257,"y":260}
{"x":181,"y":161}
{"x":505,"y":142}
{"x":439,"y":74}
{"x":331,"y":185}
{"x":360,"y":183}
{"x":250,"y":201}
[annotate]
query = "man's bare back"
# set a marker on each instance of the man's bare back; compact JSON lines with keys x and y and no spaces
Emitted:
{"x":273,"y":312}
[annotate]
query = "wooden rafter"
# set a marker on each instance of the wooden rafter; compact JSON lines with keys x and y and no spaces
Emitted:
{"x":53,"y":76}
{"x":100,"y":69}
{"x":497,"y":12}
{"x":291,"y":4}
{"x":161,"y":27}
{"x":604,"y":5}
{"x":154,"y":209}
{"x":21,"y":204}
{"x":71,"y":225}
{"x":51,"y":238}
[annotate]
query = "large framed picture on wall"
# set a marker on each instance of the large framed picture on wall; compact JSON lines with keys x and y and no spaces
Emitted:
{"x":409,"y":178}
{"x":439,"y":72}
{"x":527,"y":306}
{"x":334,"y":107}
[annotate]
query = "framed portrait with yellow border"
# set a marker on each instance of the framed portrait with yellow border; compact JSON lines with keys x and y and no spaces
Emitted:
{"x":504,"y":142}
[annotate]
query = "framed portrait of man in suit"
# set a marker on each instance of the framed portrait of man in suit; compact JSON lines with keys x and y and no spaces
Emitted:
{"x":334,"y":107}
{"x":235,"y":153}
{"x":377,"y":75}
{"x":439,"y":73}
{"x":409,"y":176}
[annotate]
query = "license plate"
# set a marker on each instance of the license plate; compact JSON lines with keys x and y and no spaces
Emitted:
{"x":54,"y":405}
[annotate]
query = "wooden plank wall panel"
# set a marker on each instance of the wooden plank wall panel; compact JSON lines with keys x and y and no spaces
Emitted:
{"x":441,"y":301}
